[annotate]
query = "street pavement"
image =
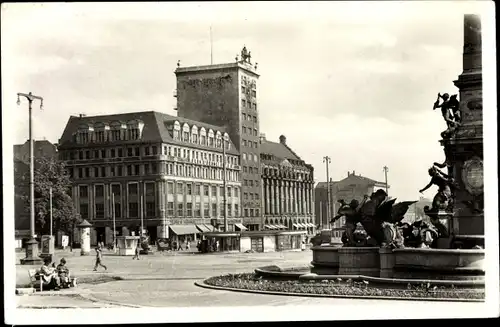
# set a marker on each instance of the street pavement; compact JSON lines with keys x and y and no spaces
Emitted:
{"x":167,"y":280}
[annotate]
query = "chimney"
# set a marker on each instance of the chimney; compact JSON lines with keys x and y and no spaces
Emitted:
{"x":283,"y":139}
{"x":348,"y":173}
{"x":82,"y":115}
{"x":353,"y":173}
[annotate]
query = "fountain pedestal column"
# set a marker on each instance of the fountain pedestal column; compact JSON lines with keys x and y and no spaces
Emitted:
{"x":464,"y":150}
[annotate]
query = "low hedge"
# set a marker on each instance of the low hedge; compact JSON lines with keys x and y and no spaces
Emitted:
{"x":251,"y":281}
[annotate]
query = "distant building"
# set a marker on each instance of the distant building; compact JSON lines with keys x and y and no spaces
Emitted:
{"x":42,"y":149}
{"x":352,"y":187}
{"x":287,"y":188}
{"x":166,"y":169}
{"x":416,"y":211}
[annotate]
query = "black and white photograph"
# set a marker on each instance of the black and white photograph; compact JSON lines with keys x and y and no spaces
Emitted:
{"x":249,"y":161}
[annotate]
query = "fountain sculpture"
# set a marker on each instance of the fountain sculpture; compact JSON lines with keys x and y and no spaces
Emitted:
{"x":450,"y":245}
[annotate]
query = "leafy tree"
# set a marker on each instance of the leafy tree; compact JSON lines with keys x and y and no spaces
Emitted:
{"x":51,"y":173}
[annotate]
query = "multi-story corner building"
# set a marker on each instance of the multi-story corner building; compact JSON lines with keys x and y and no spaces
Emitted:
{"x":352,"y":187}
{"x":41,"y":149}
{"x":287,"y":183}
{"x":227,"y":95}
{"x":166,"y":170}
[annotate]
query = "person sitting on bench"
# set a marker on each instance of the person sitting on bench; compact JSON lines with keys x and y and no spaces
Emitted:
{"x":49,"y":276}
{"x":63,"y":273}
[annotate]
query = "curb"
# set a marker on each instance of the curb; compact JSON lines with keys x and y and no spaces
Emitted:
{"x":120,"y":304}
{"x":360,"y":297}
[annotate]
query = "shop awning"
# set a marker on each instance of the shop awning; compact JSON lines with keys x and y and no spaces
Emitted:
{"x":281,"y":226}
{"x":284,"y":227}
{"x":240,"y":226}
{"x":203,"y":228}
{"x":184,"y":229}
{"x":296,"y":225}
{"x":301,"y":225}
{"x":211,"y":228}
{"x":309,"y":225}
{"x":269,"y":227}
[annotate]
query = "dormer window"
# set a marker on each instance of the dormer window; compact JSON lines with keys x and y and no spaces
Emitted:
{"x":210,"y":137}
{"x":177,"y":131}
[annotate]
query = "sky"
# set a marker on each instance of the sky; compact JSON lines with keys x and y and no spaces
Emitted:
{"x":350,"y":80}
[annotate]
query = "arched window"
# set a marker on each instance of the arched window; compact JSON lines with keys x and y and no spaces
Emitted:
{"x":185,"y":132}
{"x":218,"y":139}
{"x":203,"y":136}
{"x":227,"y":142}
{"x":83,"y":134}
{"x":194,"y":134}
{"x":177,"y":131}
{"x":100,"y":132}
{"x":115,"y":128}
{"x":210,"y":137}
{"x":133,"y":130}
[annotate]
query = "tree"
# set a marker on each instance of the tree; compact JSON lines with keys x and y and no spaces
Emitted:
{"x":51,"y":173}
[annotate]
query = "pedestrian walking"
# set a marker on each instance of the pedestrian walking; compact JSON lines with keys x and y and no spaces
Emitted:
{"x":98,"y":258}
{"x":188,"y":246}
{"x":137,"y":252}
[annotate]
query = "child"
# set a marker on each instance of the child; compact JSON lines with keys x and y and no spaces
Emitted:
{"x":98,"y":259}
{"x":137,"y":251}
{"x":63,"y":273}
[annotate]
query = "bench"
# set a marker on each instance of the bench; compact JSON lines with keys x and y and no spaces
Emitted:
{"x":35,"y":279}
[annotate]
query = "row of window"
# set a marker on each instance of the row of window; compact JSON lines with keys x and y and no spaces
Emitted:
{"x":250,"y":170}
{"x":248,"y":117}
{"x":182,"y":170}
{"x":198,"y":155}
{"x":133,"y":210}
{"x":248,"y":104}
{"x":244,"y":90}
{"x":251,"y":196}
{"x":210,"y":141}
{"x":250,"y":131}
{"x":137,"y":151}
{"x":251,"y":183}
{"x":133,"y":189}
{"x":149,"y":188}
{"x":250,"y":144}
{"x":87,"y":136}
{"x":249,"y":157}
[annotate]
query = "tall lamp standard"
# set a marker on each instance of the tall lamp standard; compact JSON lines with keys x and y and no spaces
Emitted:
{"x":386,"y":170}
{"x":327,"y":160}
{"x":32,"y":257}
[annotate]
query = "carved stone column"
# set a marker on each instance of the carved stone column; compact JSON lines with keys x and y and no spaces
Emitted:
{"x":272,"y":197}
{"x":306,"y":198}
{"x":282,"y":198}
{"x":311,"y":199}
{"x":266,"y":194}
{"x":289,"y":196}
{"x":295,"y":198}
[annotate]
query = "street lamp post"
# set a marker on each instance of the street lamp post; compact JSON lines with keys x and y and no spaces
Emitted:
{"x":327,"y":160}
{"x":386,"y":169}
{"x":32,"y":257}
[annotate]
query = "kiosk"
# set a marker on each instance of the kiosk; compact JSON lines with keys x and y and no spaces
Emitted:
{"x":127,"y":244}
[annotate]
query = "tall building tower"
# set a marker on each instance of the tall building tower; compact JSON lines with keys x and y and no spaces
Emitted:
{"x":226,"y":95}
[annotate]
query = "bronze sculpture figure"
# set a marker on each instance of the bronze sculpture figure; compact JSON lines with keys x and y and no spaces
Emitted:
{"x":377,"y":214}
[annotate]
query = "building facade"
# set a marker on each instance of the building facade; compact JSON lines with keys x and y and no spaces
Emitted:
{"x":164,"y":170}
{"x":352,"y":187}
{"x":287,"y":188}
{"x":227,"y":95}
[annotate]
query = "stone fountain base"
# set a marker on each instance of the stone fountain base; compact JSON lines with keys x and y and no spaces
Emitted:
{"x":434,"y":264}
